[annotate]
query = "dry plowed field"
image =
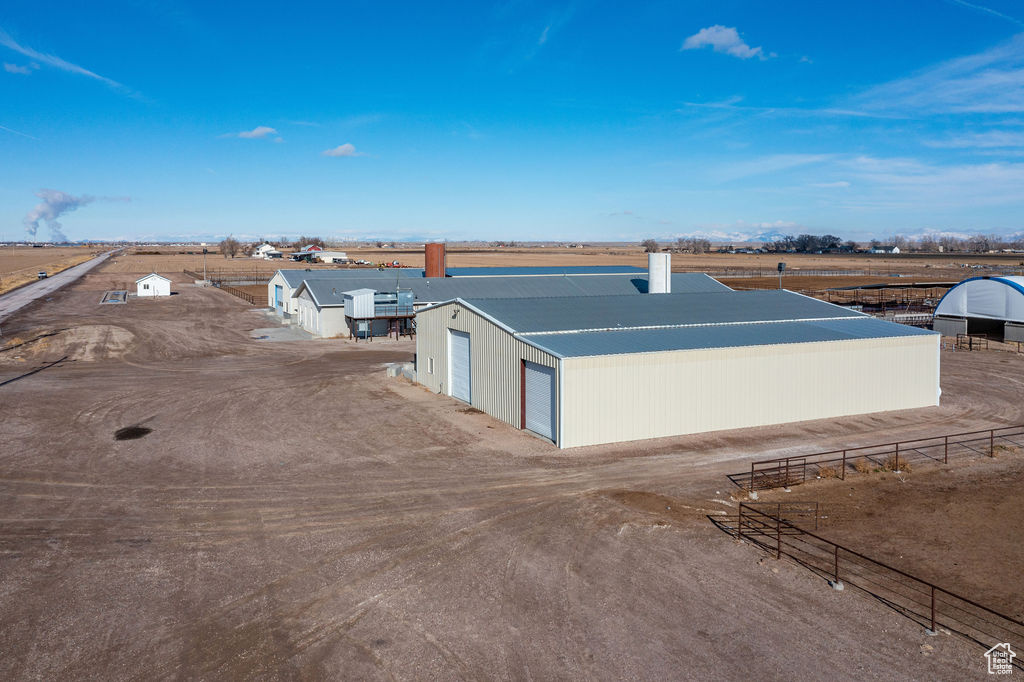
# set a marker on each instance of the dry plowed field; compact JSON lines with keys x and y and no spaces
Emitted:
{"x":180,"y":500}
{"x":20,"y":265}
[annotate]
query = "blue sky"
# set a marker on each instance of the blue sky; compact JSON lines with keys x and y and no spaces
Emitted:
{"x":514,"y":120}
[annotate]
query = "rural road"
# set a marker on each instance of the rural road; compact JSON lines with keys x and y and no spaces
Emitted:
{"x":22,"y":296}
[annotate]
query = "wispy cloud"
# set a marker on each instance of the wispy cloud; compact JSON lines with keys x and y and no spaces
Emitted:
{"x":733,"y":104}
{"x":23,"y":70}
{"x":989,"y":82}
{"x":986,"y":10}
{"x":18,"y":132}
{"x":347,"y":149}
{"x":56,"y":62}
{"x":766,"y":164}
{"x":723,"y":39}
{"x":910,"y":183}
{"x":990,"y":139}
{"x":838,"y":184}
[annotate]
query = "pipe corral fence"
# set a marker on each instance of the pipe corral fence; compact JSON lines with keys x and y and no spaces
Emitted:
{"x":233,"y":276}
{"x":796,"y":469}
{"x":770,"y":527}
{"x":249,"y":298}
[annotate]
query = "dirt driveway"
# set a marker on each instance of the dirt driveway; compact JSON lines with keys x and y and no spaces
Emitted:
{"x":283,"y":510}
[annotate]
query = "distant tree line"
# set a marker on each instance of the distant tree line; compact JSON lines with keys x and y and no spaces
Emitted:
{"x":830,"y":243}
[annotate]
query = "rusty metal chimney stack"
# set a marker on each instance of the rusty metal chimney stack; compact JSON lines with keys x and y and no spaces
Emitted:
{"x":435,"y":260}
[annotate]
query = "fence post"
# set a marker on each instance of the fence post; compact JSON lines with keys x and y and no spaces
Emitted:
{"x":896,"y":467}
{"x":835,"y":565}
{"x":991,"y":442}
{"x":843,"y":474}
{"x":739,"y":522}
{"x":945,"y":453}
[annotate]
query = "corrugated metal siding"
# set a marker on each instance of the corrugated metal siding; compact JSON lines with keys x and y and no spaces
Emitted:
{"x":630,"y":397}
{"x":496,"y":357}
{"x":322,"y":322}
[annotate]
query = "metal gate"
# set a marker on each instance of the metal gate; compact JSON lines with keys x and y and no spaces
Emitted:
{"x":459,"y":366}
{"x":540,"y":399}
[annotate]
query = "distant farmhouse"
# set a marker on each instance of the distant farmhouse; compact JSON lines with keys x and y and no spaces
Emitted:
{"x":266,"y":252}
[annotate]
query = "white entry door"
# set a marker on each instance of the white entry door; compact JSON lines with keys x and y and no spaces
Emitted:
{"x":540,"y":399}
{"x":458,"y":366}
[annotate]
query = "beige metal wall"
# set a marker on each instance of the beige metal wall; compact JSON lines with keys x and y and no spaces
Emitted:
{"x":290,"y":305}
{"x":495,"y":357}
{"x":323,"y":322}
{"x":629,"y":397}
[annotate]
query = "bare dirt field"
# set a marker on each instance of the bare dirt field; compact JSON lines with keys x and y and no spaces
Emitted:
{"x":812,"y":283}
{"x":938,"y":522}
{"x":934,"y":268}
{"x":178,"y":499}
{"x":19,"y":265}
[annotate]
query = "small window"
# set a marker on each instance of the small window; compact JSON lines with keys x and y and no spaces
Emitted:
{"x":430,"y":365}
{"x":145,"y":286}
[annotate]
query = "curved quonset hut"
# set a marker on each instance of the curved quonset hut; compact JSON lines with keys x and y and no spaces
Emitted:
{"x":983,"y":305}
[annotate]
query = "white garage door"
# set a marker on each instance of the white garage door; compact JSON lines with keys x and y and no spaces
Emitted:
{"x":540,"y":399}
{"x":458,"y":365}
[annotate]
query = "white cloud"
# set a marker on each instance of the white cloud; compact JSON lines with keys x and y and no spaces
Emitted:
{"x":987,"y":82}
{"x":346,"y":149}
{"x":56,"y":62}
{"x":17,"y":132}
{"x":987,"y":140}
{"x":23,"y":70}
{"x":257,"y":133}
{"x":839,"y":184}
{"x":909,"y":183}
{"x":987,"y":10}
{"x":722,"y":39}
{"x":766,"y":164}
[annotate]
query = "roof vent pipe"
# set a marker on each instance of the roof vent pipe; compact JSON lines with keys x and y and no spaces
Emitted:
{"x":659,"y":273}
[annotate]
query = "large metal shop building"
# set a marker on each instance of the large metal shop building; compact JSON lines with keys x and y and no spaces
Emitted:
{"x":590,"y":370}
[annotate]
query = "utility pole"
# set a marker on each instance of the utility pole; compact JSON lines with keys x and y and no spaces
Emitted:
{"x":204,"y":262}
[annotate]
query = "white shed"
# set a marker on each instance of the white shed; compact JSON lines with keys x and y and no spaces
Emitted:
{"x":152,"y":285}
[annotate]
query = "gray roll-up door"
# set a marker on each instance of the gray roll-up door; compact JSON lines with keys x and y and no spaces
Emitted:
{"x":540,"y":399}
{"x":458,"y":364}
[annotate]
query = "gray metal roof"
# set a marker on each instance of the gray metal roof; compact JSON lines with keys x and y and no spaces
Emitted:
{"x":294,"y":277}
{"x":524,"y":315}
{"x":584,"y":344}
{"x":535,"y":271}
{"x":436,"y":289}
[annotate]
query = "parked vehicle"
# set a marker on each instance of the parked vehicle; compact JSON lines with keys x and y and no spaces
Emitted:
{"x":42,"y":274}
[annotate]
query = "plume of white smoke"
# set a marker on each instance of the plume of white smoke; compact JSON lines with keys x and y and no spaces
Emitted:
{"x":53,"y":205}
